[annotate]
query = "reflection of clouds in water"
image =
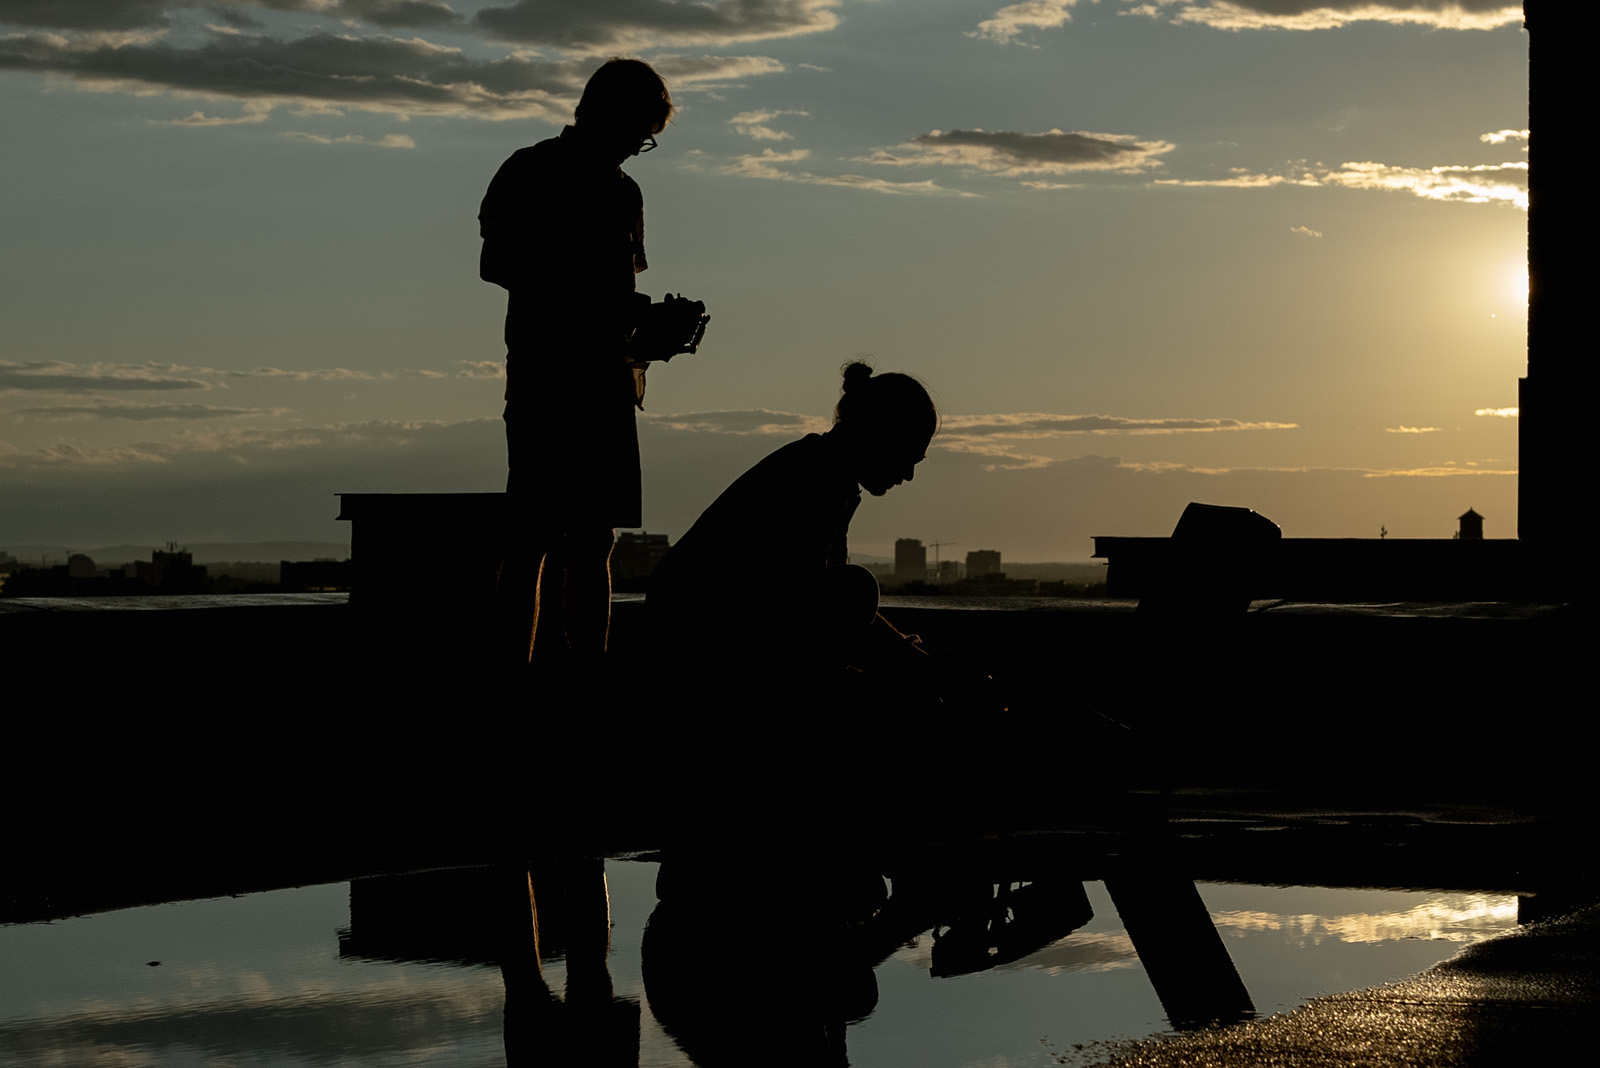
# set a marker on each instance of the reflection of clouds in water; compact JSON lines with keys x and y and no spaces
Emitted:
{"x":1455,"y":918}
{"x":1085,"y":951}
{"x":208,"y":987}
{"x":1097,"y":951}
{"x":442,"y":1009}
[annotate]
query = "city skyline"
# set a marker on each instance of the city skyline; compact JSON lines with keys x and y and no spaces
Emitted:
{"x":1142,"y":253}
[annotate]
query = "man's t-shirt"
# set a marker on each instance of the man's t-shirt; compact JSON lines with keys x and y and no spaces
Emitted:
{"x":563,"y":232}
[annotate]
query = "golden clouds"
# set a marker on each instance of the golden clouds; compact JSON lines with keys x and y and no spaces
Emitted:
{"x":1475,"y":184}
{"x":753,"y":124}
{"x":1478,"y":183}
{"x":770,"y":165}
{"x":1332,"y":14}
{"x":1009,"y":22}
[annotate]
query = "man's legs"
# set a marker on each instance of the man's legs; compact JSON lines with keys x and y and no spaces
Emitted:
{"x":557,"y":586}
{"x":517,"y":597}
{"x":586,"y":592}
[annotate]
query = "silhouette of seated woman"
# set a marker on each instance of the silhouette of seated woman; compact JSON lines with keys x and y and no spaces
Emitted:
{"x":778,"y":534}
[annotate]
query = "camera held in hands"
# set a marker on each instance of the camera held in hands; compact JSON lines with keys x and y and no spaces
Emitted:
{"x":666,"y":328}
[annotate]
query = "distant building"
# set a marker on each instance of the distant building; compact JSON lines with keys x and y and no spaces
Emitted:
{"x":981,"y":562}
{"x":635,"y":556}
{"x":1471,"y":526}
{"x":167,"y":572}
{"x":172,"y":571}
{"x":910,"y":560}
{"x":949,"y":571}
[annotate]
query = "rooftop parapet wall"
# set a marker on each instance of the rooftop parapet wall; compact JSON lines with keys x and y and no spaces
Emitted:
{"x":1344,"y":569}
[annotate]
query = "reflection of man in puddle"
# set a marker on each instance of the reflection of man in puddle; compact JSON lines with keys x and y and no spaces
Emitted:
{"x":562,"y":909}
{"x":563,"y":232}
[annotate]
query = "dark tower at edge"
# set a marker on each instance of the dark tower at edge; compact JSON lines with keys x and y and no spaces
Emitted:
{"x":1558,"y":238}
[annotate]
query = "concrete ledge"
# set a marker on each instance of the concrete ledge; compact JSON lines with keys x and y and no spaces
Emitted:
{"x":1343,"y":569}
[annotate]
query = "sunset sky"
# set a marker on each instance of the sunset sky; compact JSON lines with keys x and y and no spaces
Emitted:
{"x":1263,"y":252}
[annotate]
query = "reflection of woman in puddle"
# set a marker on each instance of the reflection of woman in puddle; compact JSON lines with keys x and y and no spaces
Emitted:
{"x":717,"y":988}
{"x":777,"y":536}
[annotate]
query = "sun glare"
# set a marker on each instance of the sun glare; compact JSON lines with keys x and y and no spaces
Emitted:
{"x":1517,"y":283}
{"x":1512,"y":287}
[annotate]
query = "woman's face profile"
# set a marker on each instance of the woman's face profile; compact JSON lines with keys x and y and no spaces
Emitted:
{"x":886,"y":464}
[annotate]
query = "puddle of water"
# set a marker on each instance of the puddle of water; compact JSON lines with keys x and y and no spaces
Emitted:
{"x":259,"y":980}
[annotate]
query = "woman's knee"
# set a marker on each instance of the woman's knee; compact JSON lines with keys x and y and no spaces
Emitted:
{"x":849,"y":597}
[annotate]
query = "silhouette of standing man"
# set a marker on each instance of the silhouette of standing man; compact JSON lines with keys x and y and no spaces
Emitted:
{"x":563,"y":233}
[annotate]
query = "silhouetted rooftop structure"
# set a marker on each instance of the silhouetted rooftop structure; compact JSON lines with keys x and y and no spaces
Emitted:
{"x":1343,"y":569}
{"x":391,"y":532}
{"x":1220,"y":553}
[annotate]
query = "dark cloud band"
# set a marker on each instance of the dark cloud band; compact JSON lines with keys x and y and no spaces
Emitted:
{"x":62,"y":378}
{"x":370,"y":73}
{"x":590,"y":25}
{"x":123,"y":15}
{"x":144,"y":412}
{"x":1007,"y":152}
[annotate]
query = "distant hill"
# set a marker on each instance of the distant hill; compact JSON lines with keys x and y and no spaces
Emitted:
{"x":204,"y":552}
{"x":1085,"y":571}
{"x":1073,"y":572}
{"x":1070,"y":570}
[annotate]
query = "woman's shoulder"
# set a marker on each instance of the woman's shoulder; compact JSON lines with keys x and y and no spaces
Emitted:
{"x":812,"y":457}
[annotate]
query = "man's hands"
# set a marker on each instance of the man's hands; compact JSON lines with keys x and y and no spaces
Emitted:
{"x":664,"y":329}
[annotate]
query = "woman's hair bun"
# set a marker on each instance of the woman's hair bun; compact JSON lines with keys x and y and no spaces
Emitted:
{"x":887,"y":400}
{"x":856,"y":374}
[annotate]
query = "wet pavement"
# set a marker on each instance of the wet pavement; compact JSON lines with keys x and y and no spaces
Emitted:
{"x":1529,"y":997}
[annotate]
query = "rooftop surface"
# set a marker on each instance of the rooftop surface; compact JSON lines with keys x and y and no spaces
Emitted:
{"x":1386,"y":745}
